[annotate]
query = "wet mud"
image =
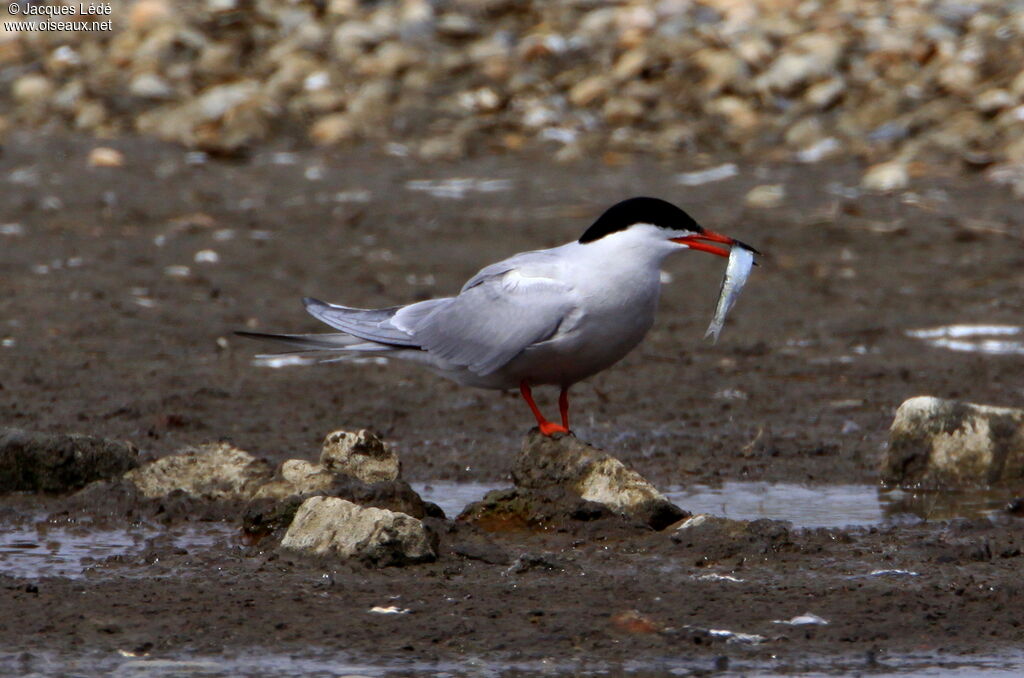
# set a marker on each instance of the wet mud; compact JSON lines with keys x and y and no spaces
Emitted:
{"x":122,"y":287}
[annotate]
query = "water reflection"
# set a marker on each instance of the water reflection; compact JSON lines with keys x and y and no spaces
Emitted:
{"x":986,"y":339}
{"x":802,"y":505}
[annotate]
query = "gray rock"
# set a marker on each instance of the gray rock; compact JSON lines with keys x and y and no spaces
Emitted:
{"x":583,"y":470}
{"x":222,"y":119}
{"x":947,"y":443}
{"x":55,"y":462}
{"x":328,"y":526}
{"x":274,"y":504}
{"x":296,"y":476}
{"x":216,"y":471}
{"x":360,"y":455}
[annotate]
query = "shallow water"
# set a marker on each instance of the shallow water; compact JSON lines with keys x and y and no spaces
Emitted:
{"x":984,"y":339}
{"x":40,"y":550}
{"x":802,"y":505}
{"x":329,"y":665}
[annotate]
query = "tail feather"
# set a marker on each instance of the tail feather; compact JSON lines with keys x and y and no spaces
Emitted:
{"x":309,"y":342}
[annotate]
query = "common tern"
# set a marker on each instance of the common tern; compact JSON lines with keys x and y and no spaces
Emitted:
{"x":545,"y":317}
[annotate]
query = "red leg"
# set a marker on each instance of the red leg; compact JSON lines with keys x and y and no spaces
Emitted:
{"x":546,"y":427}
{"x":563,"y":407}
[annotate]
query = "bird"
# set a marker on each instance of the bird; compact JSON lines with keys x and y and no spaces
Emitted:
{"x":549,"y":317}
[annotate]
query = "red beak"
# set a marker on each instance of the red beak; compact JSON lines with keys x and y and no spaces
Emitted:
{"x":694,"y":242}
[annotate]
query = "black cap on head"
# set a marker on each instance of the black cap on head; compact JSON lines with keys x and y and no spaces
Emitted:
{"x":654,"y":211}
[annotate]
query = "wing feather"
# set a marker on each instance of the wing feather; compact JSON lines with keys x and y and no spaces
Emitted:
{"x":367,"y":324}
{"x":494,"y":320}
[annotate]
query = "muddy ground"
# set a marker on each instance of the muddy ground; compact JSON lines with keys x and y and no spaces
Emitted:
{"x":102,"y":335}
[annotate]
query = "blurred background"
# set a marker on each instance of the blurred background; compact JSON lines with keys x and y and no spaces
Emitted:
{"x":897,"y":85}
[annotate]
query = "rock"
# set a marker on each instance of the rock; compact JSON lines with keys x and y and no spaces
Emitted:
{"x":222,"y":119}
{"x":630,"y":64}
{"x":361,"y":455}
{"x":937,"y":443}
{"x":90,"y":115}
{"x":274,"y":503}
{"x":145,"y":14}
{"x":821,"y":150}
{"x":886,"y":177}
{"x":296,"y":476}
{"x":766,"y":196}
{"x":457,"y":27}
{"x":395,"y":495}
{"x":328,"y":526}
{"x":55,"y":462}
{"x":32,"y":90}
{"x":448,"y":147}
{"x":825,"y":93}
{"x":332,"y":129}
{"x":102,"y":156}
{"x":993,"y":100}
{"x":804,"y":132}
{"x":589,"y":90}
{"x":150,"y":86}
{"x":567,"y":463}
{"x":216,"y":471}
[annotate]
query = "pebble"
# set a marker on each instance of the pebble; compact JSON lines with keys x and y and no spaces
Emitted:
{"x":766,"y":196}
{"x":103,"y":156}
{"x":442,"y":80}
{"x":886,"y":177}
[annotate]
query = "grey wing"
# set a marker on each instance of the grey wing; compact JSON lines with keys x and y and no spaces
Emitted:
{"x":493,"y":320}
{"x":367,"y":324}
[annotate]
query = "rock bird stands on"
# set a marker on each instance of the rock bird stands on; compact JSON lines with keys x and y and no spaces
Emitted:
{"x":553,"y":316}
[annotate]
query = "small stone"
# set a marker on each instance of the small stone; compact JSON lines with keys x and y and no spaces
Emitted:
{"x":332,"y":129}
{"x":222,"y":119}
{"x":90,"y":115}
{"x":328,"y":526}
{"x":622,"y":111}
{"x":810,"y":57}
{"x":297,"y":476}
{"x":886,"y":177}
{"x":722,"y":68}
{"x":766,"y":196}
{"x":821,"y":150}
{"x":937,"y":443}
{"x":447,"y":147}
{"x":32,"y":90}
{"x":150,"y":86}
{"x":103,"y":156}
{"x":993,"y":100}
{"x":54,"y":462}
{"x":213,"y":471}
{"x":825,"y":93}
{"x":958,"y":78}
{"x":630,"y":64}
{"x":361,"y":455}
{"x":589,"y":90}
{"x":739,"y":113}
{"x":457,"y":27}
{"x":804,"y":132}
{"x":146,"y":14}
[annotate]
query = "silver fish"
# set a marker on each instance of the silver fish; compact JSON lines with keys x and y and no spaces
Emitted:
{"x":741,"y":260}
